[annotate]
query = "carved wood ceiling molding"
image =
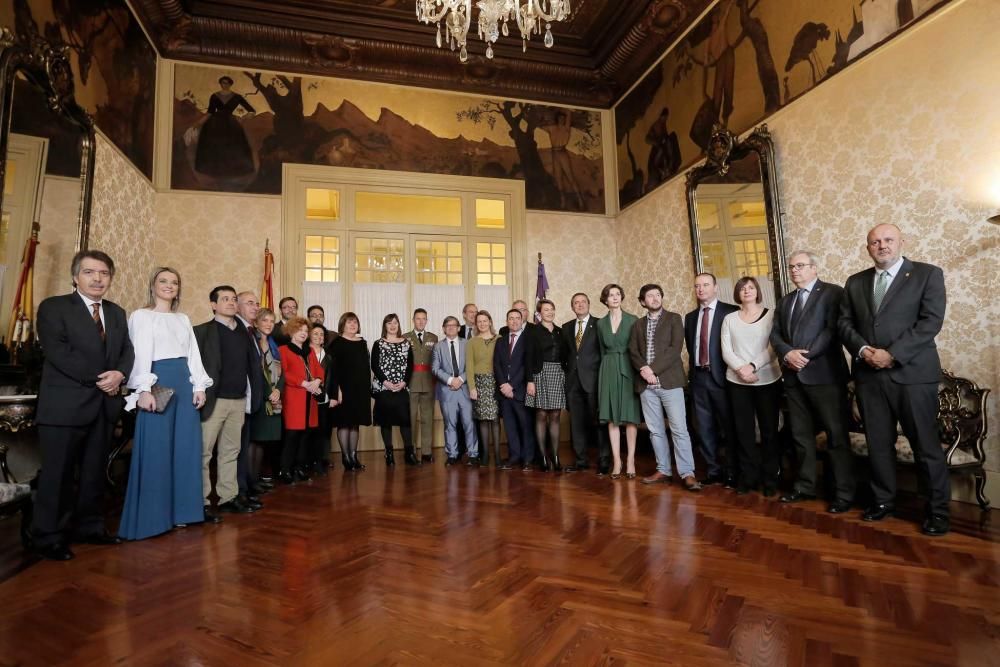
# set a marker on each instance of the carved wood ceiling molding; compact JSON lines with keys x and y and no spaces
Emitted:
{"x":598,"y":55}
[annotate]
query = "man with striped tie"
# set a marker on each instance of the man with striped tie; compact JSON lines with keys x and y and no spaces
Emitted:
{"x":889,"y":318}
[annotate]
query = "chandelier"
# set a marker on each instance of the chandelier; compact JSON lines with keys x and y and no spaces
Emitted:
{"x":494,"y":16}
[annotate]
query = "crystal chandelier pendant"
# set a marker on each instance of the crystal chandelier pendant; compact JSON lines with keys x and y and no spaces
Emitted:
{"x":489,"y":51}
{"x":463,"y":55}
{"x":549,"y":41}
{"x":506,"y":32}
{"x":439,"y":35}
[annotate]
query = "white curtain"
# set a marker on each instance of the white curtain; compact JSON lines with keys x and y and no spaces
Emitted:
{"x":439,"y":301}
{"x":326,"y":295}
{"x":373,"y":301}
{"x":495,"y":299}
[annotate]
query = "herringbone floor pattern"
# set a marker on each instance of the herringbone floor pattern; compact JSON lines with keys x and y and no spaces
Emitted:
{"x":465,"y":567}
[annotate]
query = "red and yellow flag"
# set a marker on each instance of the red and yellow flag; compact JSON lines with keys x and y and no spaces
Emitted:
{"x":267,"y":287}
{"x":19,"y":329}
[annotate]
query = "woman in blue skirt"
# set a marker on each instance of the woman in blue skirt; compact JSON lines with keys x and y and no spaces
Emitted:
{"x":164,"y":483}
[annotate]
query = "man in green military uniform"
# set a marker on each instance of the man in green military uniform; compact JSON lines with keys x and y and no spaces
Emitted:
{"x":421,"y":389}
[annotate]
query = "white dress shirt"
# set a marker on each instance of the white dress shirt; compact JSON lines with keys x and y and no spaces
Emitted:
{"x":90,"y":307}
{"x":157,"y":335}
{"x":697,"y":328}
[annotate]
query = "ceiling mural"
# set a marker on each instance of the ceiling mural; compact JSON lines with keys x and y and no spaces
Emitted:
{"x":233,"y":130}
{"x":742,"y":62}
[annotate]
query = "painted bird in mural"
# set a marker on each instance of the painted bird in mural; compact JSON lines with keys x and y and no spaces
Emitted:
{"x":804,"y":48}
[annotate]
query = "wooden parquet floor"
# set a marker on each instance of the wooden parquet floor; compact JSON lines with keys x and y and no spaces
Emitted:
{"x":465,"y":567}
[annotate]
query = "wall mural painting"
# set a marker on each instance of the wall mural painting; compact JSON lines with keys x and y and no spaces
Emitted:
{"x":115,"y":70}
{"x":743,"y":61}
{"x":233,"y":130}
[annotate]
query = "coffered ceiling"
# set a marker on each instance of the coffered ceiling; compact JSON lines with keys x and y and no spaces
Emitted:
{"x":598,"y":53}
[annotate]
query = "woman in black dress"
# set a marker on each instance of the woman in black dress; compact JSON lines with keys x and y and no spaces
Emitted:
{"x":392,"y":365}
{"x":223,"y":149}
{"x":351,"y":385}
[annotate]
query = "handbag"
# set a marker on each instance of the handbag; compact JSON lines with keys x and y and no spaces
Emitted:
{"x":161,"y":395}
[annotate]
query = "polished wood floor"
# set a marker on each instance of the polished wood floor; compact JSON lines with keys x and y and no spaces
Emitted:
{"x":467,"y":567}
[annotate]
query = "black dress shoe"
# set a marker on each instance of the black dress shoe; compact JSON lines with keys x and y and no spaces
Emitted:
{"x":527,"y":467}
{"x":936,"y":525}
{"x":264,"y":479}
{"x":743,"y":489}
{"x":796,"y":496}
{"x":838,"y":507}
{"x":731,"y":482}
{"x":285,"y":477}
{"x":578,"y":466}
{"x":102,"y":539}
{"x":300,"y":475}
{"x":262,"y":485}
{"x":450,"y":461}
{"x":769,"y":491}
{"x":236,"y":507}
{"x":878,"y":512}
{"x":54,"y":552}
{"x":251,"y":501}
{"x":713,"y":479}
{"x":473,"y":462}
{"x":505,"y":466}
{"x":427,"y":458}
{"x":211,"y":516}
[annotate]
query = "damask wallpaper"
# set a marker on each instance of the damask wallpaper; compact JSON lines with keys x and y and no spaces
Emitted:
{"x":122,"y":222}
{"x":916,"y":145}
{"x":230,"y":231}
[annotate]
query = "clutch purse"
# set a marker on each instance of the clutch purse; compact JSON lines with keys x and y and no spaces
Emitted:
{"x":162,"y":396}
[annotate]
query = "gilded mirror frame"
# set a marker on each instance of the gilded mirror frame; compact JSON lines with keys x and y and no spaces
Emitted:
{"x":46,"y":66}
{"x":724,"y":148}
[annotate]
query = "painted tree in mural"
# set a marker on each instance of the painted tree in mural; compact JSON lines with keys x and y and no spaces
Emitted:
{"x":719,"y":58}
{"x":628,"y":114}
{"x":522,"y":119}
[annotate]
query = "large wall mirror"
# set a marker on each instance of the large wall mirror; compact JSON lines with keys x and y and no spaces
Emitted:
{"x":735,"y":215}
{"x":46,"y":166}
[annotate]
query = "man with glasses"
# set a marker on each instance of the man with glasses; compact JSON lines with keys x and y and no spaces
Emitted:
{"x":804,"y":336}
{"x":448,"y":366}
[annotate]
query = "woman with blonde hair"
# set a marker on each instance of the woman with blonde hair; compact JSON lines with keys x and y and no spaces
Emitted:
{"x":483,"y":387}
{"x":164,"y":484}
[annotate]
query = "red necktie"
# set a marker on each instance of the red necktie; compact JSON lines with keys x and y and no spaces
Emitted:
{"x":510,"y":348}
{"x":97,"y":320}
{"x":703,"y":339}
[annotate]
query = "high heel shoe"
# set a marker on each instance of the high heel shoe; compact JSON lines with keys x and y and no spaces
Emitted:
{"x":409,"y":457}
{"x":357,"y":465}
{"x":390,"y":458}
{"x":544,"y":467}
{"x":616,"y":475}
{"x":556,"y":466}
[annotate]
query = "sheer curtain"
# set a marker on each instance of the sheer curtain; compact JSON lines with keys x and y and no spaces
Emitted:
{"x":373,"y":301}
{"x":439,"y":301}
{"x":495,"y":299}
{"x":326,"y":295}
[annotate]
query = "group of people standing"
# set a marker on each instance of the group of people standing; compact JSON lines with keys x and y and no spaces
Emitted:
{"x":250,"y":384}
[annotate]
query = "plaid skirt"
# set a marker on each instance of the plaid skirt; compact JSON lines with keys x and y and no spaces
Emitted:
{"x":550,"y":388}
{"x":485,"y":407}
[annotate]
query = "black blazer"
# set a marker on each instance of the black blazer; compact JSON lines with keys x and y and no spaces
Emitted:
{"x":462,"y":329}
{"x":509,"y":368}
{"x":910,"y":317}
{"x":207,"y":335}
{"x":714,"y":340}
{"x":74,"y":356}
{"x":816,"y":332}
{"x":582,"y":365}
{"x":525,"y":328}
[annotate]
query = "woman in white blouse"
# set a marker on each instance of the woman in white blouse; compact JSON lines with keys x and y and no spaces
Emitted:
{"x":754,"y":383}
{"x":164,"y":484}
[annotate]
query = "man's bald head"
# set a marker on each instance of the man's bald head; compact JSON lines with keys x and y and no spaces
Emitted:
{"x":885,"y":244}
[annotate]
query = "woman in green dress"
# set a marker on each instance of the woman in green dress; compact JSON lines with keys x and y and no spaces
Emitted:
{"x":618,"y":404}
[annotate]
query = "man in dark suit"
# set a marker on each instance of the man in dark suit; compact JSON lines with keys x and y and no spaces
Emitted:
{"x":804,"y":336}
{"x":510,"y":373}
{"x":224,"y":344}
{"x":246,"y":473}
{"x":889,"y":318}
{"x":88,"y":355}
{"x":468,"y":330}
{"x":712,"y":414}
{"x":582,"y":362}
{"x":526,"y":320}
{"x":289,"y":308}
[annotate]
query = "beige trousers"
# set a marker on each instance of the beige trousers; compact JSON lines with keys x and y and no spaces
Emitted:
{"x":223,"y":425}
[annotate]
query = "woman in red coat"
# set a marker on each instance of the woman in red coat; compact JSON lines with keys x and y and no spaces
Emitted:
{"x":299,"y":412}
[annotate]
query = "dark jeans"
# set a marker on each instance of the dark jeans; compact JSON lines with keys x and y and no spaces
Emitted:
{"x":757,"y":465}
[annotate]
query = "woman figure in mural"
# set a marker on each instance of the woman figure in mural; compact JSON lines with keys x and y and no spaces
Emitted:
{"x":223,"y":149}
{"x":665,"y":152}
{"x":562,"y":167}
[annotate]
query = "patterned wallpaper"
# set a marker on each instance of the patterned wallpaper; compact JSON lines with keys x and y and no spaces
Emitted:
{"x":122,"y":223}
{"x":580,"y":255}
{"x":57,"y":236}
{"x":914,"y":140}
{"x":214,"y":239}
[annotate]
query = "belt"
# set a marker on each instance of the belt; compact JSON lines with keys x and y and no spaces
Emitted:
{"x":421,"y":368}
{"x":706,"y":369}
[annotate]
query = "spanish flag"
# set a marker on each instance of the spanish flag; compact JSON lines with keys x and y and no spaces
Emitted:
{"x":267,"y":287}
{"x":19,"y":329}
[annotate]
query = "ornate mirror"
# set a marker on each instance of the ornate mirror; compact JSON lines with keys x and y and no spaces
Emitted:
{"x":46,"y":164}
{"x":735,"y":216}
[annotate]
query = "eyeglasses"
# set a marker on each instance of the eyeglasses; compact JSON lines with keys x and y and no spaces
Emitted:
{"x":798,"y":267}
